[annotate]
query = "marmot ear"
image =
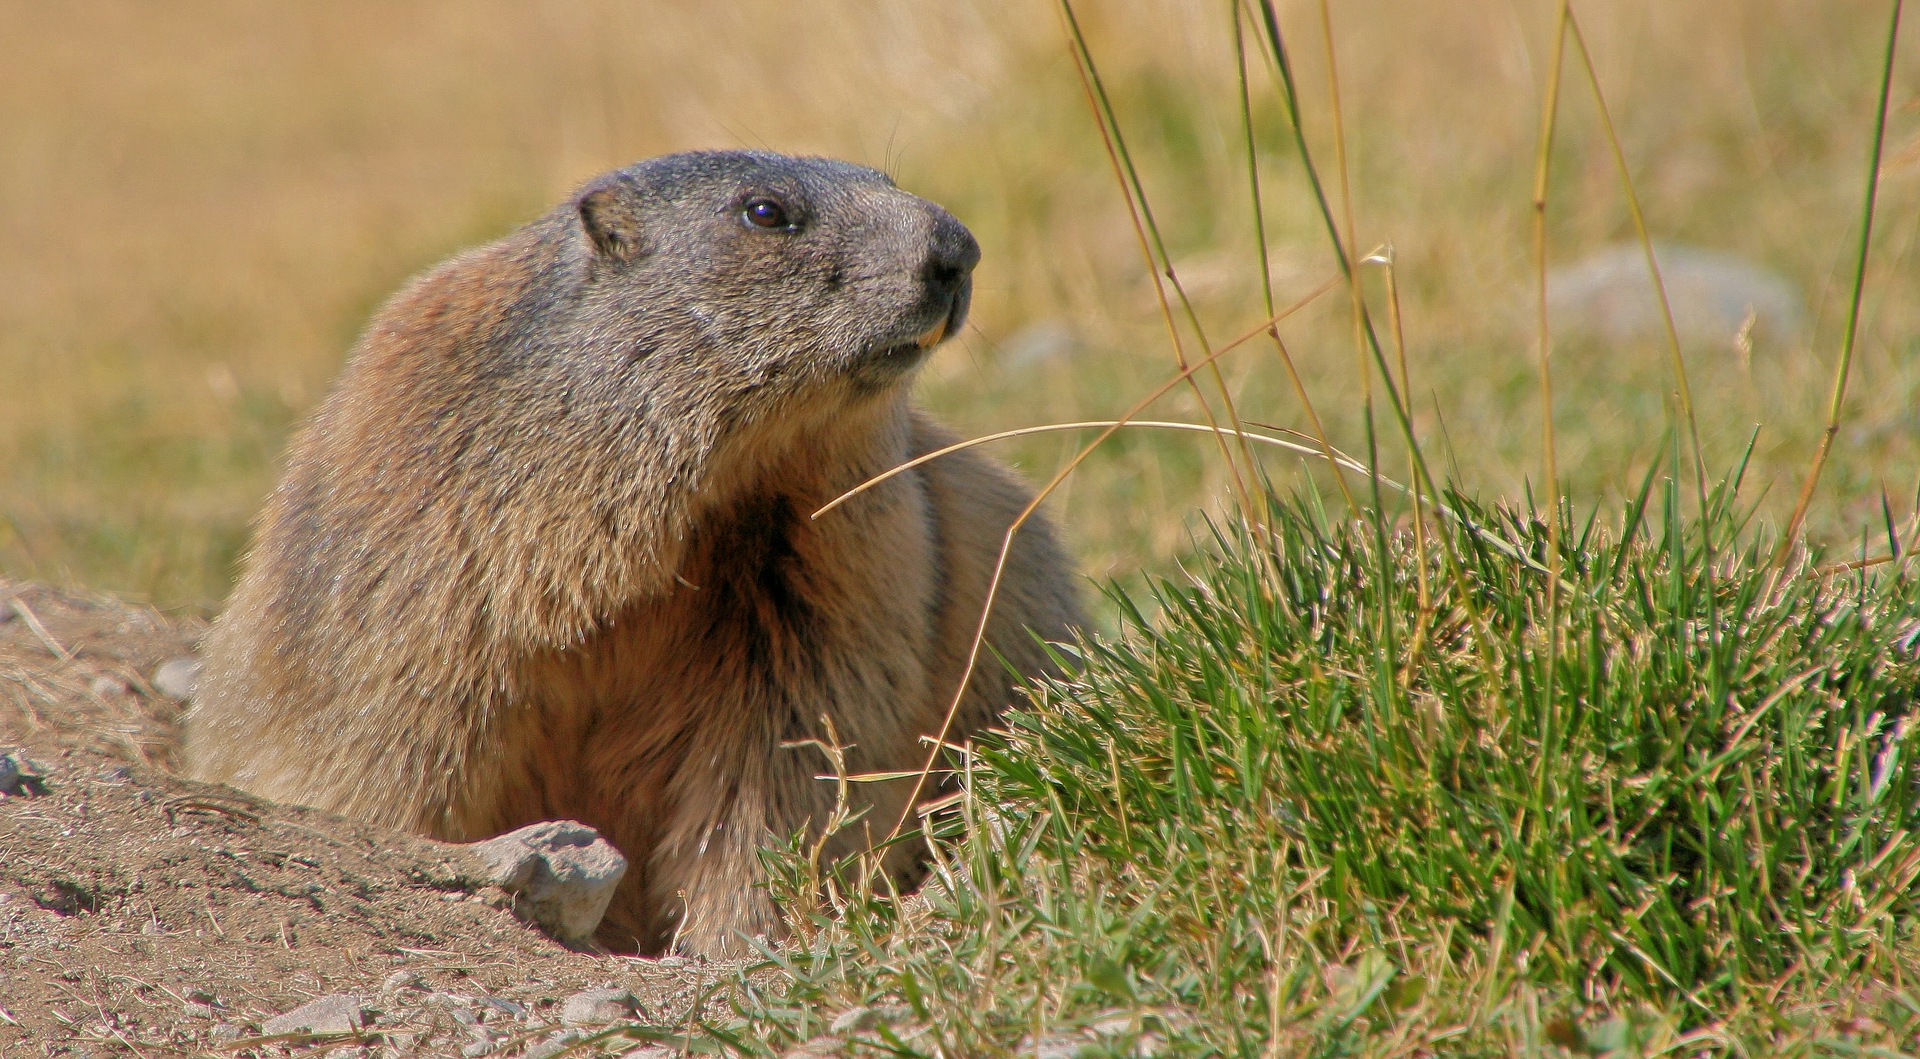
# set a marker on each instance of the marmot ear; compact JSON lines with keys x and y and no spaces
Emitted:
{"x":610,"y":214}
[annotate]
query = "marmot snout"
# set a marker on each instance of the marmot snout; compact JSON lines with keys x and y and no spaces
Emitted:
{"x":545,"y":550}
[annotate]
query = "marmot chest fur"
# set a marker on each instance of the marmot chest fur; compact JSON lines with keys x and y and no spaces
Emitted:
{"x":545,"y":550}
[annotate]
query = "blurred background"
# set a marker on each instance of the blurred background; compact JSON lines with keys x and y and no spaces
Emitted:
{"x":201,"y":202}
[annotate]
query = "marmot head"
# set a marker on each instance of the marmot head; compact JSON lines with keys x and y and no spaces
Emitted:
{"x":774,"y":275}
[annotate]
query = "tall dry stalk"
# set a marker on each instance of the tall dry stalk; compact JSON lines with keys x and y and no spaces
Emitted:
{"x":1842,"y":369}
{"x":1549,"y":117}
{"x":1153,"y":248}
{"x":1266,"y":272}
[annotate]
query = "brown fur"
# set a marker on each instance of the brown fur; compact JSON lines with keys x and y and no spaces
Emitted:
{"x":545,"y":552}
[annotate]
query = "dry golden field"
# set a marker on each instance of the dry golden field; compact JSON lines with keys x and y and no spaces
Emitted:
{"x":201,"y":202}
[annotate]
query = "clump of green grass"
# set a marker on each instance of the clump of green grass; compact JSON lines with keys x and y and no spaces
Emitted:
{"x":1301,"y":814}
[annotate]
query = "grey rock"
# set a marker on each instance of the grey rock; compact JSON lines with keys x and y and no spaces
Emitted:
{"x":503,"y":1006}
{"x":478,"y":1048}
{"x":339,"y":1013}
{"x":176,"y":678}
{"x":561,"y":873}
{"x":598,"y":1007}
{"x":1610,"y":294}
{"x":11,"y":774}
{"x":227,"y":1031}
{"x":106,"y":687}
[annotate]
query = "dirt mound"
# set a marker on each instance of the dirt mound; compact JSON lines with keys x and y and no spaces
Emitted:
{"x":144,"y":914}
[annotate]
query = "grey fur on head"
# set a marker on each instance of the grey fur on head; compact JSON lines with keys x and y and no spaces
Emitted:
{"x":856,"y":277}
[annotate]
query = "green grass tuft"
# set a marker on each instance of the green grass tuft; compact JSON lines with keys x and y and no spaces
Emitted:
{"x":1294,"y":814}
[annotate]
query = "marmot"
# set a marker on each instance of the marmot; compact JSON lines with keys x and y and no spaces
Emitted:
{"x":545,"y":550}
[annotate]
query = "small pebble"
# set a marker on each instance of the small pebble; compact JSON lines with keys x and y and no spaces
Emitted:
{"x":855,"y":1019}
{"x":503,"y":1006}
{"x":597,"y":1007}
{"x":177,"y":678}
{"x":402,"y":979}
{"x":227,"y":1031}
{"x":463,"y":1014}
{"x":107,"y":687}
{"x":339,"y":1013}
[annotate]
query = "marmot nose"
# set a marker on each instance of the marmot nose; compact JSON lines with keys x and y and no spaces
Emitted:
{"x":951,"y":255}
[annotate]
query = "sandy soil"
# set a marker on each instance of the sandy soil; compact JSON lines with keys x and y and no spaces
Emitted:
{"x":142,"y":914}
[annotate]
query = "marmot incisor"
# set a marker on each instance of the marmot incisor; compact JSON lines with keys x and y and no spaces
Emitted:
{"x":544,"y":552}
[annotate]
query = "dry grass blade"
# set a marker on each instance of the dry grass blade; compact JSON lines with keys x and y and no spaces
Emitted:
{"x":1681,"y":387}
{"x":1549,"y":116}
{"x":1109,"y":426}
{"x":1384,"y":258}
{"x":1359,"y":302}
{"x":1337,"y":458}
{"x":1266,"y":268}
{"x":1843,"y":368}
{"x":33,"y":622}
{"x":1147,"y":234}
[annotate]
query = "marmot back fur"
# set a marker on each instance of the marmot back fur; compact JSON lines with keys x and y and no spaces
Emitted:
{"x":545,"y":551}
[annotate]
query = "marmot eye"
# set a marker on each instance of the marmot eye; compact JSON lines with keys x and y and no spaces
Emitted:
{"x":765,"y":213}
